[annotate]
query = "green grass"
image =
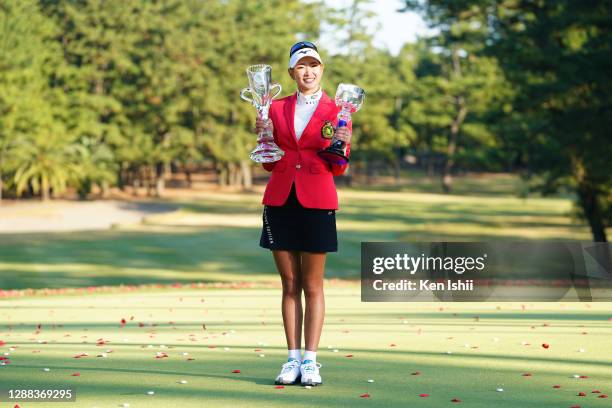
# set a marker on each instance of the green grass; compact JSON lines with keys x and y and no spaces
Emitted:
{"x":471,"y":184}
{"x":246,"y":320}
{"x":216,"y":238}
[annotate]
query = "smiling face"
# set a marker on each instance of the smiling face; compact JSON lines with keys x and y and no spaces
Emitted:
{"x":307,"y":74}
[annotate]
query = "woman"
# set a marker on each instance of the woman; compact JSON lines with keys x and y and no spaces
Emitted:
{"x":299,"y":221}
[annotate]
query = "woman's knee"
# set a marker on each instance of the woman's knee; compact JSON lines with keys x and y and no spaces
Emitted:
{"x":292,"y":287}
{"x":312,"y":289}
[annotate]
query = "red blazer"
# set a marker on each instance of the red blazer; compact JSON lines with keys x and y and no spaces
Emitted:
{"x":313,"y":176}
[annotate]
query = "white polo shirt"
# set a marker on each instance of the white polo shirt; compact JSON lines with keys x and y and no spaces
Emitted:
{"x":304,"y":109}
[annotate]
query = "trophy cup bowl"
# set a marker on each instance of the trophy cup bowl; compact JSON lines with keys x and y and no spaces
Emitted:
{"x":349,"y":99}
{"x":260,"y":93}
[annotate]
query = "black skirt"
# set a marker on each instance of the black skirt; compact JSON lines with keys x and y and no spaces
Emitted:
{"x":295,"y":228}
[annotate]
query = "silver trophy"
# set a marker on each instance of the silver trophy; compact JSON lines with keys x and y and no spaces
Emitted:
{"x":260,"y":94}
{"x":349,"y":98}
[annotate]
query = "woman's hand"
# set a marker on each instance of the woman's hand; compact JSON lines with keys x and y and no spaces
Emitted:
{"x":260,"y":125}
{"x":343,"y":133}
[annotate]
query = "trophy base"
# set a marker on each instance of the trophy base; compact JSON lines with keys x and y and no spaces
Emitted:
{"x":266,"y":153}
{"x":333,"y":156}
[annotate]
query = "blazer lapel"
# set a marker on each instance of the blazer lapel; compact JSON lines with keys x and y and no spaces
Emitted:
{"x":289,"y":111}
{"x":323,"y":107}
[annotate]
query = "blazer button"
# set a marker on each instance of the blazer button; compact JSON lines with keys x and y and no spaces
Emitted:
{"x":298,"y":166}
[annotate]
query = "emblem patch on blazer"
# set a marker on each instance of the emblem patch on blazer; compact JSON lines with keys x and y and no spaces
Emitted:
{"x":327,"y":131}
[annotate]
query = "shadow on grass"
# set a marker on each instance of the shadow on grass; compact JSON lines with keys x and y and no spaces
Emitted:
{"x":390,"y":353}
{"x":212,"y":382}
{"x":127,"y":257}
{"x":213,"y":254}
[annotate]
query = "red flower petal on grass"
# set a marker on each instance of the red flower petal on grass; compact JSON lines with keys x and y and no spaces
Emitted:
{"x":423,"y":395}
{"x":595,"y":392}
{"x":76,"y":374}
{"x":545,"y":345}
{"x":236,"y":371}
{"x":575,"y":406}
{"x":123,"y":322}
{"x":366,"y":395}
{"x":455,"y":400}
{"x":526,"y":374}
{"x":603,"y":396}
{"x":581,"y":394}
{"x":349,"y":355}
{"x":2,"y":343}
{"x":279,"y":386}
{"x":556,"y":386}
{"x":584,"y":376}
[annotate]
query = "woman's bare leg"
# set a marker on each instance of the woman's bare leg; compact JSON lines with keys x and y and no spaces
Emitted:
{"x":288,"y":265}
{"x":313,"y":268}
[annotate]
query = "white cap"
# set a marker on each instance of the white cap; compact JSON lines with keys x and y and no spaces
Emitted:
{"x":304,"y":52}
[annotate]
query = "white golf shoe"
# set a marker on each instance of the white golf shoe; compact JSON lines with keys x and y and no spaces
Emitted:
{"x":290,"y":373}
{"x":310,"y":373}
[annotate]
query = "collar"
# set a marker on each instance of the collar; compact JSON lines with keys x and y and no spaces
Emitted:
{"x":309,"y":99}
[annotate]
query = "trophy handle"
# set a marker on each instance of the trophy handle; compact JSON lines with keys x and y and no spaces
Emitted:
{"x":244,"y":92}
{"x":278,"y":86}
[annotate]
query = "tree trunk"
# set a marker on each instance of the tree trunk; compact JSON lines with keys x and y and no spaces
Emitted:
{"x":452,"y":146}
{"x":231,"y":176}
{"x":149,"y":180}
{"x":588,"y":197}
{"x":44,"y":185}
{"x":235,"y":175}
{"x":447,"y":178}
{"x":430,"y":167}
{"x":120,"y":176}
{"x":348,"y":175}
{"x":188,"y":176}
{"x":135,"y":183}
{"x":160,"y":183}
{"x":104,"y":189}
{"x":396,"y":170}
{"x":398,"y":152}
{"x":455,"y":126}
{"x":369,"y":171}
{"x":247,"y":174}
{"x":221,"y":175}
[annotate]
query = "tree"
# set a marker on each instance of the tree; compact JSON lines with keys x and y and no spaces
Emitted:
{"x":30,"y":124}
{"x":457,"y":84}
{"x":557,"y":55}
{"x":45,"y":162}
{"x":376,"y":133}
